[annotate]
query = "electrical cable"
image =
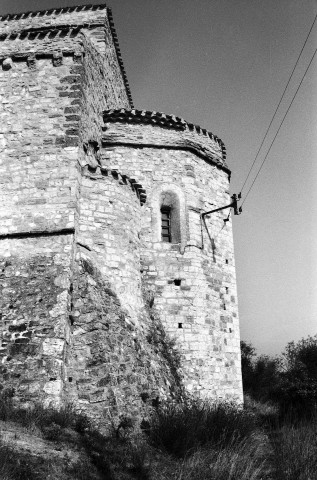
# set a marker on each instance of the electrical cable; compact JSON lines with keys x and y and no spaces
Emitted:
{"x":246,"y":196}
{"x":274,"y":115}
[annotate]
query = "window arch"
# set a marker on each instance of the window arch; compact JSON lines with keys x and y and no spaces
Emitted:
{"x":169,"y":198}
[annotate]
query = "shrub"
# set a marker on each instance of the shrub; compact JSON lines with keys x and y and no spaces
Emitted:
{"x":247,"y":356}
{"x":266,"y":413}
{"x":261,"y":376}
{"x":297,"y":393}
{"x":182,"y":428}
{"x":42,"y":417}
{"x":52,"y":432}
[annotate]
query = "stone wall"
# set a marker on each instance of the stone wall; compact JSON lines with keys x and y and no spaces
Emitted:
{"x":50,"y":96}
{"x":37,"y":166}
{"x":114,"y":368}
{"x":34,"y":304}
{"x":109,"y":230}
{"x":193,"y":281}
{"x":85,"y":277}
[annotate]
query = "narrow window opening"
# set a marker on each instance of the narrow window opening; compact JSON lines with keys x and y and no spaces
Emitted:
{"x":227,"y":261}
{"x":180,"y":325}
{"x":166,"y":224}
{"x":227,"y":289}
{"x":70,"y":379}
{"x":177,"y":282}
{"x":170,"y":223}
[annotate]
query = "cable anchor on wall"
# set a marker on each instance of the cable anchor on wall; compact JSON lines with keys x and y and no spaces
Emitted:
{"x":234,"y":204}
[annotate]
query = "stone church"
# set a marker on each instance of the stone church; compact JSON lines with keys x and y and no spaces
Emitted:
{"x":115,"y":291}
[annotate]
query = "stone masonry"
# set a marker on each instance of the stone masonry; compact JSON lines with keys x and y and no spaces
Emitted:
{"x":84,"y":272}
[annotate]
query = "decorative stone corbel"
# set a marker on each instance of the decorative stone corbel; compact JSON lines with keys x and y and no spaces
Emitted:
{"x":31,"y":61}
{"x":92,"y":151}
{"x":7,"y":63}
{"x":77,"y":56}
{"x":57,"y":59}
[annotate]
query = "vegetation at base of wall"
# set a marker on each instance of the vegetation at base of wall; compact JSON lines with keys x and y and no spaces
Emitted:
{"x":243,"y":460}
{"x":191,"y":440}
{"x":16,"y":468}
{"x":48,"y":420}
{"x":295,"y":450}
{"x":182,"y":428}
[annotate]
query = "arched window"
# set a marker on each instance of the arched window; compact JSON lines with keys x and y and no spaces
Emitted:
{"x":170,"y":217}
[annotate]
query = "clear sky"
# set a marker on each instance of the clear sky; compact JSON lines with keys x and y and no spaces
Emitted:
{"x":223,"y":64}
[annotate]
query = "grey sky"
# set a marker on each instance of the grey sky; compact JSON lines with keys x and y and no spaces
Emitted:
{"x":223,"y":64}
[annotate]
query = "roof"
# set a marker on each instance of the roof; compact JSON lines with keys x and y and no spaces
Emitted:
{"x":160,"y":119}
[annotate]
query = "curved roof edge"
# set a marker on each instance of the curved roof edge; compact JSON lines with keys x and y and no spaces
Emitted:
{"x":160,"y":119}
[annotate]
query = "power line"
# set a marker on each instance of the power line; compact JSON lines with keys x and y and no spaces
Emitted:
{"x":279,"y":128}
{"x":268,"y":128}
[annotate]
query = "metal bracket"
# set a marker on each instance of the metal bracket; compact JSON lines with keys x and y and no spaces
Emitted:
{"x":234,"y":204}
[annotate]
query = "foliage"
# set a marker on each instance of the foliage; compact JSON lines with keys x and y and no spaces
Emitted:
{"x":247,"y":355}
{"x":193,"y":440}
{"x":301,"y":357}
{"x":42,"y":417}
{"x":180,"y":429}
{"x":298,"y":390}
{"x":266,"y":413}
{"x":242,"y":460}
{"x":290,"y":380}
{"x":17,"y":468}
{"x":260,"y":375}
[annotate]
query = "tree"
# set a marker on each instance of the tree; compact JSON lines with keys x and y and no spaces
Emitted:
{"x":260,"y":375}
{"x":298,"y":390}
{"x":301,"y":358}
{"x":247,"y":355}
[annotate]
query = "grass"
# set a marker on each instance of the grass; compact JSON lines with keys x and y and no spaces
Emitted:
{"x":238,"y":460}
{"x":295,"y":451}
{"x":12,"y":468}
{"x":180,"y":429}
{"x":41,"y":417}
{"x":192,"y":440}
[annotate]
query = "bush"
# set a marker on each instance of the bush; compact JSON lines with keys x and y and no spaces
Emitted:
{"x":180,"y":429}
{"x":266,"y":413}
{"x":297,"y":394}
{"x":42,"y":417}
{"x":52,"y":432}
{"x":261,"y":376}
